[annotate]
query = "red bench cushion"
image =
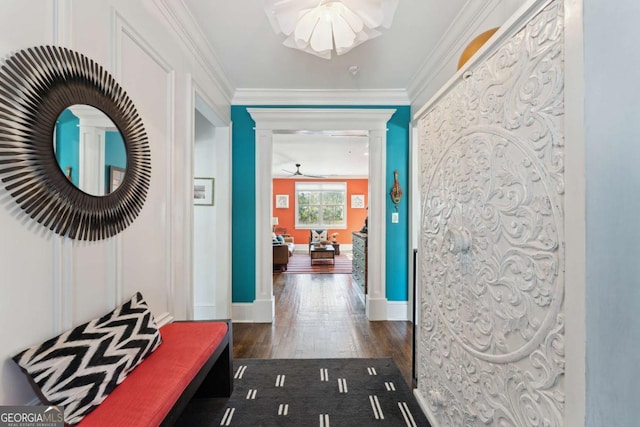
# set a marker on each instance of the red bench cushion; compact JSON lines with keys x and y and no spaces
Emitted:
{"x":150,"y":391}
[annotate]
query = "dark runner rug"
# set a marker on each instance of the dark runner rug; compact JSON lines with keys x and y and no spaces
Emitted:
{"x":311,"y":392}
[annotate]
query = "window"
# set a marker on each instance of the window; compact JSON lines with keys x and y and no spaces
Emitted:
{"x":321,"y":205}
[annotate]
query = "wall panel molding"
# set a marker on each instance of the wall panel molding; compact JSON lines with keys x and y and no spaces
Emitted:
{"x":491,"y":338}
{"x":121,"y":29}
{"x":63,"y":284}
{"x":62,"y":22}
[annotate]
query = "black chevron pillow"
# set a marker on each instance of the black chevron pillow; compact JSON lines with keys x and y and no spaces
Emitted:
{"x":79,"y":368}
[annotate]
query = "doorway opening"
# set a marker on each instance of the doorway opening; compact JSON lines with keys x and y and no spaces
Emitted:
{"x":211,"y":214}
{"x":272,"y":120}
{"x":320,"y":190}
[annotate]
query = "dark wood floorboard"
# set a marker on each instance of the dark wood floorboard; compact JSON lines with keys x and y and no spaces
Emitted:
{"x":322,"y":316}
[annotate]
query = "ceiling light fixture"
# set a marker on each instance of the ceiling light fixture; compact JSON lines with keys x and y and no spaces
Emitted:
{"x":320,"y":26}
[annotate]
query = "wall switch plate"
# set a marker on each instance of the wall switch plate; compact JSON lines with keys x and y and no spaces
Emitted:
{"x":395,"y":217}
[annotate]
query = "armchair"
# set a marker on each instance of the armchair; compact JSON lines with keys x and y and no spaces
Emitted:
{"x":317,"y":236}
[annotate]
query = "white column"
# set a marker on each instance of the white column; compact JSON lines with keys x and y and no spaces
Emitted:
{"x":376,"y":307}
{"x":264,"y":304}
{"x":91,"y":153}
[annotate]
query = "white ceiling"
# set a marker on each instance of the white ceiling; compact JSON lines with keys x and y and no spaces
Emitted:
{"x":252,"y":56}
{"x":323,"y":155}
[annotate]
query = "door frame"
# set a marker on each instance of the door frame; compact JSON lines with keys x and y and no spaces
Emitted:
{"x":374,"y":121}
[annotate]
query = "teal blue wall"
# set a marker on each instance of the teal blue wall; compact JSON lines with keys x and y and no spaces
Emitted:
{"x":243,"y":203}
{"x":243,"y":206}
{"x":397,"y":249}
{"x":68,"y":143}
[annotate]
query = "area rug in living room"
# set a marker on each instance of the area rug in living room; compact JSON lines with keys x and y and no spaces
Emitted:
{"x":311,"y":392}
{"x":300,"y":263}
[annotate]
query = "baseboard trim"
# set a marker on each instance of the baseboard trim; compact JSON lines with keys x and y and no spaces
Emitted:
{"x":242,"y":312}
{"x":376,"y":308}
{"x":205,"y":312}
{"x":398,"y":310}
{"x":425,"y":408}
{"x":264,"y":310}
{"x":164,"y":319}
{"x":259,"y":311}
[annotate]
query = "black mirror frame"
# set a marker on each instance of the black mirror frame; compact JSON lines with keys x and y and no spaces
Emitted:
{"x":36,"y":85}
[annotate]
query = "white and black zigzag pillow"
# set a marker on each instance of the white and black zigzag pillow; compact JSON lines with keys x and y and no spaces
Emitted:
{"x":79,"y":368}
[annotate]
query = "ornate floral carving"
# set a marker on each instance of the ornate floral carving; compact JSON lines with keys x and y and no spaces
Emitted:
{"x":492,"y":287}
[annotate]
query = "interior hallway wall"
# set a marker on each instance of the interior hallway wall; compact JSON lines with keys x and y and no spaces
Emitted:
{"x":612,"y":157}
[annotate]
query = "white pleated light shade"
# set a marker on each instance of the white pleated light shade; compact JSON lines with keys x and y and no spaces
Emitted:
{"x":320,"y":27}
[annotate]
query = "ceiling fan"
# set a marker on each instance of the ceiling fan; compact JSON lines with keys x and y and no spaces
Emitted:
{"x":300,"y":174}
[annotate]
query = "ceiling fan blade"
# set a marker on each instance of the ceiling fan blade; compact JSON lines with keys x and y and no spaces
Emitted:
{"x":298,"y":173}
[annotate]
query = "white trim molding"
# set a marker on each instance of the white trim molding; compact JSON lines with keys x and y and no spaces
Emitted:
{"x":575,"y":214}
{"x":463,"y":28}
{"x":374,"y":121}
{"x":181,"y":19}
{"x":204,"y":311}
{"x":425,"y":408}
{"x":320,"y":97}
{"x":242,"y":312}
{"x":398,"y":310}
{"x":164,"y":319}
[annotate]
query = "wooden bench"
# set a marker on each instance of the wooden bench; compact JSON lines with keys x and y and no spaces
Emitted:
{"x":195,"y":359}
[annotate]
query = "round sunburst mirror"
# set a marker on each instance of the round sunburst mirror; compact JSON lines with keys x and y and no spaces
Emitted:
{"x":40,"y":86}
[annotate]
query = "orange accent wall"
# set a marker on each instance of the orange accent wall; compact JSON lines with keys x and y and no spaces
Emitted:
{"x":287,"y":218}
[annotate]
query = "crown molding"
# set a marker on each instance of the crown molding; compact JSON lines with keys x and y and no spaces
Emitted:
{"x":528,"y":9}
{"x":320,"y":118}
{"x":184,"y":24}
{"x":320,"y":97}
{"x":462,"y":29}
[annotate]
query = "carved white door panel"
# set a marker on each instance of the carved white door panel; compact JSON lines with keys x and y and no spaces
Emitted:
{"x":491,"y":340}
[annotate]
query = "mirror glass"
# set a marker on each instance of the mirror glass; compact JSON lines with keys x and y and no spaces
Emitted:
{"x":90,"y":150}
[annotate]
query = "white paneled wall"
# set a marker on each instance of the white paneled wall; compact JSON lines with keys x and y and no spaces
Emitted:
{"x":50,"y":283}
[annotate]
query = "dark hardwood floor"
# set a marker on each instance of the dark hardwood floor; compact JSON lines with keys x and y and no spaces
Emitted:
{"x":322,"y":316}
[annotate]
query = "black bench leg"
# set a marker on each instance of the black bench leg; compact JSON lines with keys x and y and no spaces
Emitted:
{"x":219,"y":380}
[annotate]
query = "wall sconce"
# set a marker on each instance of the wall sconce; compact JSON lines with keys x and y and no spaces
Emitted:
{"x":396,"y":191}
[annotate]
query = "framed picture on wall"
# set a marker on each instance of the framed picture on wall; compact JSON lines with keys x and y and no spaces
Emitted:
{"x":282,"y":201}
{"x":116,"y":176}
{"x":203,"y":189}
{"x":357,"y":201}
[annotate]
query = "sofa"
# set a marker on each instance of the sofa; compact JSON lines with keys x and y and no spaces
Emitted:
{"x":283,"y":248}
